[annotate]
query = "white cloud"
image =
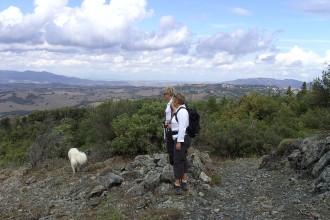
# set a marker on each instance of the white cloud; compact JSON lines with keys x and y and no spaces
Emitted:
{"x":222,"y":58}
{"x":237,"y":43}
{"x":170,"y":34}
{"x":96,"y":25}
{"x":166,"y":64}
{"x":318,"y":7}
{"x":265,"y":57}
{"x":241,"y":11}
{"x":10,"y":16}
{"x":297,"y":56}
{"x":28,"y":28}
{"x":102,"y":37}
{"x":327,"y":58}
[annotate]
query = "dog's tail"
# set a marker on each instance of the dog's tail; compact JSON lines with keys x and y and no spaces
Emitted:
{"x":81,"y":158}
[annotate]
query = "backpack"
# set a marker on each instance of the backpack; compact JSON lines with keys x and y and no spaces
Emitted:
{"x":194,"y":126}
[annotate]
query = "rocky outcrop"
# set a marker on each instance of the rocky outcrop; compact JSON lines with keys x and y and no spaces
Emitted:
{"x":141,"y":188}
{"x":53,"y":193}
{"x":309,"y":157}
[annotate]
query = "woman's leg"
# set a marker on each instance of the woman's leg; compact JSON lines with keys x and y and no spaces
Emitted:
{"x":179,"y":162}
{"x":186,"y":145}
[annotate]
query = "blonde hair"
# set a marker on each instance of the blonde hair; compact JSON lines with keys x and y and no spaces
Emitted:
{"x":169,"y":91}
{"x":179,"y":98}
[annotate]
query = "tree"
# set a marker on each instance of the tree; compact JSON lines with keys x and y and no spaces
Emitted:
{"x":303,"y":91}
{"x":5,"y":124}
{"x":289,"y":91}
{"x":321,"y":90}
{"x":212,"y":104}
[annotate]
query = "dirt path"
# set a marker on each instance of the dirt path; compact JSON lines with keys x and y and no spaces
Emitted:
{"x":247,"y":192}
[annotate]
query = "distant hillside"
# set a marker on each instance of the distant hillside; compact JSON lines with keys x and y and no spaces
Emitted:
{"x":9,"y":77}
{"x":33,"y":77}
{"x":285,"y":83}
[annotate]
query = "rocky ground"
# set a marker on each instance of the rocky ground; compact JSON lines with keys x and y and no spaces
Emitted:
{"x":238,"y":190}
{"x":248,"y":192}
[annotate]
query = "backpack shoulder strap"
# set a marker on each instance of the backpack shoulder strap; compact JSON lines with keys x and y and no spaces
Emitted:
{"x":175,"y":114}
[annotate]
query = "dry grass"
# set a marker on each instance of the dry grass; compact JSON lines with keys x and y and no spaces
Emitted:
{"x":105,"y":170}
{"x":94,"y":167}
{"x":215,"y":177}
{"x":285,"y":146}
{"x":107,"y":166}
{"x":162,"y":214}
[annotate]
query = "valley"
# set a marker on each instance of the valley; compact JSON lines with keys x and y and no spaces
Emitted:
{"x":21,"y":99}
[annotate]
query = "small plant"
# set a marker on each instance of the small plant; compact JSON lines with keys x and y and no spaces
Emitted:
{"x":95,"y":167}
{"x":285,"y":146}
{"x":109,"y":211}
{"x":158,"y":214}
{"x":215,"y":177}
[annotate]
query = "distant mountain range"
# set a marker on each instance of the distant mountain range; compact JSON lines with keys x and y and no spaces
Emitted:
{"x":9,"y":77}
{"x":285,"y":83}
{"x":33,"y":77}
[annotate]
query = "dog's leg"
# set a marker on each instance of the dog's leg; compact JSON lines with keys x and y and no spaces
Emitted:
{"x":73,"y":169}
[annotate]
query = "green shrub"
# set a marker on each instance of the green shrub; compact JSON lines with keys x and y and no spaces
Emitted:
{"x":286,"y":146}
{"x":318,"y":118}
{"x":136,"y":134}
{"x":47,"y":145}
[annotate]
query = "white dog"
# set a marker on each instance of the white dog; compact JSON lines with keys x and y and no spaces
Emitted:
{"x":77,"y":159}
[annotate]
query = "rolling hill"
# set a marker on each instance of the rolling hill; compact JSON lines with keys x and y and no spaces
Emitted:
{"x":33,"y":77}
{"x":285,"y":83}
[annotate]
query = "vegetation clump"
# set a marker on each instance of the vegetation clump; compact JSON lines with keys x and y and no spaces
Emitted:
{"x":252,"y":124}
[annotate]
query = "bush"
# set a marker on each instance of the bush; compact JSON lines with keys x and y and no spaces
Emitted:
{"x":286,"y":146}
{"x":318,"y":118}
{"x":138,"y":134}
{"x":48,"y":145}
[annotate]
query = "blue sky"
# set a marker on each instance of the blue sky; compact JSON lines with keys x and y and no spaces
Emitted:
{"x":188,"y":40}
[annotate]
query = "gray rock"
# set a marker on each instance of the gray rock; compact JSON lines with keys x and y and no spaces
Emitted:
{"x":205,"y":177}
{"x":110,"y":180}
{"x":322,"y":184}
{"x":163,"y":189}
{"x":152,"y":181}
{"x":242,"y":192}
{"x":312,"y":148}
{"x":321,"y":164}
{"x":131,"y":175}
{"x":141,"y":160}
{"x":167,"y":175}
{"x":96,"y":191}
{"x":135,"y":190}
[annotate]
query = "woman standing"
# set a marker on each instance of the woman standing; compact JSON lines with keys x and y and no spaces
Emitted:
{"x":182,"y":141}
{"x":168,"y":96}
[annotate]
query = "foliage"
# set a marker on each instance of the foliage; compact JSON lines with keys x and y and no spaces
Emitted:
{"x":48,"y":144}
{"x":321,"y":90}
{"x":13,"y":154}
{"x":252,"y":124}
{"x":96,"y":127}
{"x":139,"y":133}
{"x":286,"y":146}
{"x":317,"y":119}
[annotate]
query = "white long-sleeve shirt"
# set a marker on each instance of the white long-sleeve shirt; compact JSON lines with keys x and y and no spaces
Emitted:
{"x":168,"y":115}
{"x":180,"y":125}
